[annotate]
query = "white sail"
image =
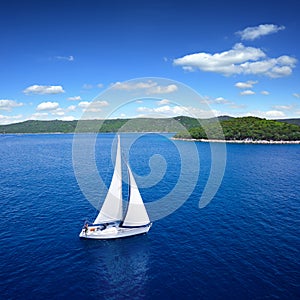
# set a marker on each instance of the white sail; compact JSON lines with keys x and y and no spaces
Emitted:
{"x":112,"y":207}
{"x":136,"y":214}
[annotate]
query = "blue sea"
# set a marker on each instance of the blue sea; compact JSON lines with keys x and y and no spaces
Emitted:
{"x":243,"y":245}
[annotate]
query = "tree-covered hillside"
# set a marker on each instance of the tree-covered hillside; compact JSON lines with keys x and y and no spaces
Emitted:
{"x":232,"y":128}
{"x":111,"y":125}
{"x":252,"y":128}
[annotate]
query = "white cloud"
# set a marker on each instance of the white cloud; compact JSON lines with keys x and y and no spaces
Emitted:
{"x":47,"y":109}
{"x":247,"y":92}
{"x":44,"y":89}
{"x":66,"y":58}
{"x":68,"y":118}
{"x":163,"y":102}
{"x":9,"y":119}
{"x":100,"y":85}
{"x":246,"y":85}
{"x":38,"y":115}
{"x":95,"y":106}
{"x":75,"y":98}
{"x":84,"y":104}
{"x":150,"y":87}
{"x":58,"y":112}
{"x":71,"y":108}
{"x":221,"y":100}
{"x":275,"y":114}
{"x":270,"y":114}
{"x":296,"y":95}
{"x":47,"y":106}
{"x":252,"y":33}
{"x":163,"y":89}
{"x":130,"y":86}
{"x":265,"y":93}
{"x":172,"y":111}
{"x":8,"y":105}
{"x":239,"y":60}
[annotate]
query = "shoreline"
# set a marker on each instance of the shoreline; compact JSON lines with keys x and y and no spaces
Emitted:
{"x":239,"y":141}
{"x":248,"y":141}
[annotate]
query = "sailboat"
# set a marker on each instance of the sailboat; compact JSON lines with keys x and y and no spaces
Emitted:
{"x":110,"y":222}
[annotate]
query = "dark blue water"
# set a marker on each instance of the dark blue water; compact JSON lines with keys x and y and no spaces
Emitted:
{"x":243,"y":245}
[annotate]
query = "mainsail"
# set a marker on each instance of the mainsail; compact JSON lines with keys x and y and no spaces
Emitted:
{"x":136,"y":214}
{"x":112,"y":207}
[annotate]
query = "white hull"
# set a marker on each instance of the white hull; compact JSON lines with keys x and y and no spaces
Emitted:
{"x":112,"y":232}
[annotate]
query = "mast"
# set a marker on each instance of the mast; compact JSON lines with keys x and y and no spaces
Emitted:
{"x":112,"y":207}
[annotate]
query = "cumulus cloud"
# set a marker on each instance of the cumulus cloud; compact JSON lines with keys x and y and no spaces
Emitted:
{"x":130,"y":86}
{"x":163,"y":89}
{"x":44,"y":89}
{"x":221,"y":100}
{"x":84,"y":104}
{"x":247,"y":92}
{"x":275,"y":114}
{"x":9,"y":119}
{"x":58,"y":112}
{"x":246,"y":85}
{"x":238,"y":60}
{"x":172,"y":111}
{"x":39,"y":115}
{"x":8,"y":105}
{"x":95,"y":106}
{"x":71,"y":108}
{"x":163,"y":102}
{"x":68,"y":118}
{"x":47,"y":109}
{"x":252,"y":33}
{"x":150,"y":87}
{"x":75,"y":98}
{"x":44,"y":106}
{"x":270,"y":114}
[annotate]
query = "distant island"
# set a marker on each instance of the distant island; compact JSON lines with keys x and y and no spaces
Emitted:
{"x":233,"y":129}
{"x":246,"y":129}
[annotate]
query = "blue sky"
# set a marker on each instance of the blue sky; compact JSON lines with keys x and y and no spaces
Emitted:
{"x":56,"y":57}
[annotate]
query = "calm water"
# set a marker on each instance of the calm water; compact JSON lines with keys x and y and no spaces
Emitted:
{"x":243,"y":245}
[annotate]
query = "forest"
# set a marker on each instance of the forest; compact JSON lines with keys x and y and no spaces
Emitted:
{"x":223,"y":127}
{"x":245,"y":128}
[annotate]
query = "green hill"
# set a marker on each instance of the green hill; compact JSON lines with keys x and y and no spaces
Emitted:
{"x":232,"y":128}
{"x":112,"y":125}
{"x":251,"y":128}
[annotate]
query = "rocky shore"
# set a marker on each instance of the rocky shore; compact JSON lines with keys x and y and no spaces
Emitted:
{"x":247,"y":141}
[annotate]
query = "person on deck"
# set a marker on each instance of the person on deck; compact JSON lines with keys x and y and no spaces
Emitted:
{"x":86,"y":227}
